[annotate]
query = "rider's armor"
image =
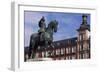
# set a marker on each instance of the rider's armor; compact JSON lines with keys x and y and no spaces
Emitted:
{"x":42,"y":26}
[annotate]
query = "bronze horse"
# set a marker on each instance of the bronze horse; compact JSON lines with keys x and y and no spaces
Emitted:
{"x":47,"y":39}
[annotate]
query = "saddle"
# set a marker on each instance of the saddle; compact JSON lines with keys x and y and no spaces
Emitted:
{"x":44,"y":36}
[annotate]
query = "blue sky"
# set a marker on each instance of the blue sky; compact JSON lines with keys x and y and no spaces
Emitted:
{"x":68,"y":24}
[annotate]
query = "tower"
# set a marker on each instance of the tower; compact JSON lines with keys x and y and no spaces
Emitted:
{"x":83,"y":40}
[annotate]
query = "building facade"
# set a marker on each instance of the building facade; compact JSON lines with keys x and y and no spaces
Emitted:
{"x":72,"y":48}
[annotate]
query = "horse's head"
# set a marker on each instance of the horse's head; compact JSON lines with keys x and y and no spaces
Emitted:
{"x":54,"y":25}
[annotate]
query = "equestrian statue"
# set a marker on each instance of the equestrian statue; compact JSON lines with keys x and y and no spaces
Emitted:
{"x":43,"y":38}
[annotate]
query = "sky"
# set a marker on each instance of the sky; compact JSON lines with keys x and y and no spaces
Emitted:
{"x":68,"y":23}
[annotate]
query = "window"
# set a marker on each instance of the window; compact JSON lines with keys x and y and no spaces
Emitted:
{"x":80,"y":37}
{"x":37,"y":55}
{"x":73,"y":56}
{"x":62,"y":58}
{"x":66,"y":50}
{"x":57,"y":52}
{"x":53,"y":52}
{"x":81,"y":56}
{"x":66,"y":57}
{"x":78,"y":46}
{"x":78,"y":55}
{"x":84,"y":56}
{"x":88,"y":44}
{"x":84,"y":37}
{"x":81,"y":46}
{"x":73,"y":49}
{"x":87,"y":55}
{"x":62,"y":52}
{"x":42,"y":54}
{"x":46,"y":53}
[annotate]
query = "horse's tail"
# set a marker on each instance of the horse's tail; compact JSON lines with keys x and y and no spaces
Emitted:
{"x":32,"y":44}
